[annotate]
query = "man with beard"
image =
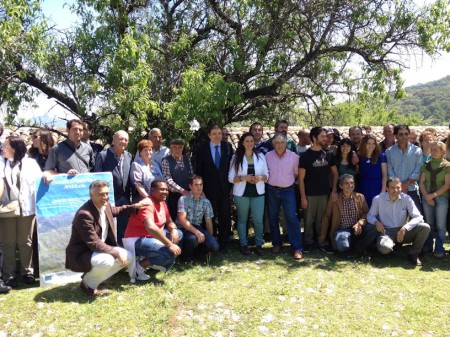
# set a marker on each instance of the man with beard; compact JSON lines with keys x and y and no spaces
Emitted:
{"x":355,"y":134}
{"x":281,"y":126}
{"x":316,"y":165}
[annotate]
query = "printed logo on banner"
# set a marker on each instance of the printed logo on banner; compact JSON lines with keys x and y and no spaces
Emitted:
{"x":56,"y":205}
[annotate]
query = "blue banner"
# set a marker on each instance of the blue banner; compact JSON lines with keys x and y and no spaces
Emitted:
{"x":56,"y":205}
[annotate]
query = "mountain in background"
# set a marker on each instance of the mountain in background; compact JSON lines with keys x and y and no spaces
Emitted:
{"x":431,"y":100}
{"x":47,"y":120}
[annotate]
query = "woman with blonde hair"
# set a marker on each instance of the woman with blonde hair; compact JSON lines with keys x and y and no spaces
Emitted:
{"x":434,"y":185}
{"x":425,"y":140}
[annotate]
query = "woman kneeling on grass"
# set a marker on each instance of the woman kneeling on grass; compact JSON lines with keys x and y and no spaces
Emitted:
{"x":434,"y":185}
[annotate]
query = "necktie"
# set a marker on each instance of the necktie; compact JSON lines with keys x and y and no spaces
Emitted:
{"x":217,"y":157}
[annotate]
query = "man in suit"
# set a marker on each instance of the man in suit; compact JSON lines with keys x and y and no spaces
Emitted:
{"x":118,"y":161}
{"x":213,"y":164}
{"x":92,"y":248}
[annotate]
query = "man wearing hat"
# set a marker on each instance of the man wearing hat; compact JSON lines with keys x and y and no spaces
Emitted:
{"x":330,"y":141}
{"x":176,"y":169}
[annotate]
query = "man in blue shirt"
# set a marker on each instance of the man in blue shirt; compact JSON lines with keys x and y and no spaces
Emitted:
{"x":404,"y":161}
{"x":388,"y":222}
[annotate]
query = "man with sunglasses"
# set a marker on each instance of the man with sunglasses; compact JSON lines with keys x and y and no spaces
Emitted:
{"x":404,"y":161}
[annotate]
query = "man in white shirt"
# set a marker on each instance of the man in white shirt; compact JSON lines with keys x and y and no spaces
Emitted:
{"x":388,"y":225}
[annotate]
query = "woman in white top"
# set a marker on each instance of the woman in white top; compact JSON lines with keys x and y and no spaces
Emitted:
{"x":248,"y":172}
{"x":19,"y":174}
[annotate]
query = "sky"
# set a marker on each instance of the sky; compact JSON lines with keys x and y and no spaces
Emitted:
{"x":421,"y":69}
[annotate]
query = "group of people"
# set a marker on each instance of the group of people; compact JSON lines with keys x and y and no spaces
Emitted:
{"x":351,"y":195}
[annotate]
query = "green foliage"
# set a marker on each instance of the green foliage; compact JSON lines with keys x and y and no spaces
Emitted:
{"x":140,"y":64}
{"x":431,"y":101}
{"x":202,"y":96}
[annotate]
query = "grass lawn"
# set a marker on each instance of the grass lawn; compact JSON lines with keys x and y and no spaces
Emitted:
{"x":321,"y":295}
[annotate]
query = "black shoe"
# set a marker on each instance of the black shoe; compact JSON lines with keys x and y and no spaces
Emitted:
{"x":11,"y":282}
{"x":260,"y":251}
{"x":3,"y":288}
{"x":327,"y":249}
{"x":307,"y":248}
{"x":244,"y":250}
{"x":352,"y":255}
{"x":29,"y":279}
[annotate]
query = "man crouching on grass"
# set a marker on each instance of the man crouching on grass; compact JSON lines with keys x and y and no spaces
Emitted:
{"x":93,"y":248}
{"x":388,"y":222}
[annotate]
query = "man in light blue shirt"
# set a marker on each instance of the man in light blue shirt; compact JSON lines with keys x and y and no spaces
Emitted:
{"x":387,"y":222}
{"x":404,"y":161}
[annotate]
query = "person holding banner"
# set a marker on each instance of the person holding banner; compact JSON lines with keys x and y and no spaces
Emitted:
{"x":18,"y":173}
{"x":93,"y":248}
{"x":71,"y":156}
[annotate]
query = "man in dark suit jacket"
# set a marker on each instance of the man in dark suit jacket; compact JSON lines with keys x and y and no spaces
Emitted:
{"x":213,"y":164}
{"x":118,"y":161}
{"x":93,"y":248}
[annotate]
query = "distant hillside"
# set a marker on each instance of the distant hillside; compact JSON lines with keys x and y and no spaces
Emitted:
{"x":431,"y":100}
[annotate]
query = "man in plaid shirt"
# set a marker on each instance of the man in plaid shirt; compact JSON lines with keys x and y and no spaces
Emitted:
{"x":192,"y":209}
{"x":344,"y":218}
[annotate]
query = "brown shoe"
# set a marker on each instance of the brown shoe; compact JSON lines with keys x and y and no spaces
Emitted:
{"x":276,"y":249}
{"x":298,"y":255}
{"x":245,"y":251}
{"x":414,"y":259}
{"x":89,"y":291}
{"x":259,"y":250}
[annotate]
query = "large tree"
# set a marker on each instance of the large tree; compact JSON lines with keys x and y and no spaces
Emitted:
{"x":145,"y":63}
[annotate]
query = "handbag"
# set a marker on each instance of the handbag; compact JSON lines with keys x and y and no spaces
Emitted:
{"x":9,"y":209}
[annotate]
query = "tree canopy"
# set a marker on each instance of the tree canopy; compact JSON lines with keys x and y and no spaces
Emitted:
{"x":142,"y":63}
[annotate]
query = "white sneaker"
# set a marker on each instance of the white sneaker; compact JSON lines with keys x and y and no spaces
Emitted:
{"x":140,"y":273}
{"x":159,"y":268}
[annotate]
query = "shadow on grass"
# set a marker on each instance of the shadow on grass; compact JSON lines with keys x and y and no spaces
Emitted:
{"x":71,"y":292}
{"x":318,"y":260}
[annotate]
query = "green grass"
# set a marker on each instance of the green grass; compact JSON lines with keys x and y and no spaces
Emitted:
{"x":248,"y":296}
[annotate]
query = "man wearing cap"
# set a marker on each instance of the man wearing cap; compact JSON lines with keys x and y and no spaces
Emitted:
{"x":330,"y":141}
{"x":176,"y":169}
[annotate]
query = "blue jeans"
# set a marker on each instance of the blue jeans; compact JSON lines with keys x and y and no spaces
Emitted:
{"x":286,"y":198}
{"x":415,"y":196}
{"x":344,"y":238}
{"x":436,"y":217}
{"x":155,"y":251}
{"x":190,"y":242}
{"x":243,"y":205}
